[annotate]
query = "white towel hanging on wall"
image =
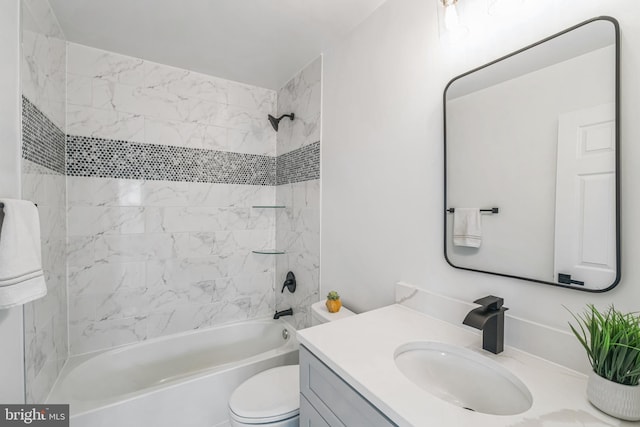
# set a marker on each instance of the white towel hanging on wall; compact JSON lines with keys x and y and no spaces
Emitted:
{"x":467,"y":227}
{"x":21,"y":275}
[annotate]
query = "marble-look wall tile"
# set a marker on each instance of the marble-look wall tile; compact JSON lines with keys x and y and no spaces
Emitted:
{"x":298,"y":189}
{"x":79,"y":90}
{"x":45,"y":319}
{"x":43,"y":60}
{"x":107,"y":192}
{"x":181,"y":134}
{"x":84,"y":221}
{"x":232,"y":302}
{"x":108,"y":124}
{"x":114,"y":96}
{"x":43,"y":77}
{"x":298,"y":233}
{"x":172,"y":256}
{"x":186,"y":83}
{"x":147,"y":256}
{"x":91,"y":336}
{"x":302,"y":96}
{"x":90,"y":62}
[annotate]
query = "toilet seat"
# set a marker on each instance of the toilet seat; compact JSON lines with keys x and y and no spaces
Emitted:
{"x":268,"y":397}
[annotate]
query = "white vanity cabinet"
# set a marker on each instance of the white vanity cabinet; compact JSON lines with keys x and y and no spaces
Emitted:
{"x":327,"y":400}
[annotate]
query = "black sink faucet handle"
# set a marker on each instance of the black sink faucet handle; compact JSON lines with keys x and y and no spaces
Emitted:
{"x":490,"y":303}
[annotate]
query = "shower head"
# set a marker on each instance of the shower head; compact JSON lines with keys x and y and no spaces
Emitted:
{"x":274,"y":122}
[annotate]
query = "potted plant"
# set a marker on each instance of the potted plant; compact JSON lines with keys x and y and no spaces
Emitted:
{"x":612,"y":342}
{"x":333,"y":302}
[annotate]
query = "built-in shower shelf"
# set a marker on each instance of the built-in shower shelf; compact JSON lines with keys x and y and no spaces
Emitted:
{"x":268,"y":252}
{"x":269,"y":207}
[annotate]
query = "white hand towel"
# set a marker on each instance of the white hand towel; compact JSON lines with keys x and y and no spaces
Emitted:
{"x":467,"y":227}
{"x":21,"y":276}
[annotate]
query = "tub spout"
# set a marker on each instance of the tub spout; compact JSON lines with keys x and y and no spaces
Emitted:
{"x":287,"y":312}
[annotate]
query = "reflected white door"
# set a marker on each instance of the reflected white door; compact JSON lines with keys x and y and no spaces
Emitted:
{"x":585,"y":235}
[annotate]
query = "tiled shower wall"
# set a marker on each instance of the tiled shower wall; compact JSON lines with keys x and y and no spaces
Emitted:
{"x":164,"y":167}
{"x":43,"y":182}
{"x":298,"y":189}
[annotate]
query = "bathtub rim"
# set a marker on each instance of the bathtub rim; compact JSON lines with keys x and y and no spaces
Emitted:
{"x":74,"y":361}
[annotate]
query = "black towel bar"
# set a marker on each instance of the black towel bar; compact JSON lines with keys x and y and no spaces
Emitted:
{"x":491,"y":210}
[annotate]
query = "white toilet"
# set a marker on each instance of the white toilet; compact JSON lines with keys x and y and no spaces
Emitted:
{"x":272,"y":397}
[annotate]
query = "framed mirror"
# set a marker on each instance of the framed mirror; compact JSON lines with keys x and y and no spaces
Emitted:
{"x":532,"y":162}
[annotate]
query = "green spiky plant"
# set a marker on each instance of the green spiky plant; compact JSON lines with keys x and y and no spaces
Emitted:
{"x":333,"y":295}
{"x":612,"y":342}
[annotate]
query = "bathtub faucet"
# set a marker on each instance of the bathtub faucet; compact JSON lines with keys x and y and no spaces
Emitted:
{"x":287,"y":312}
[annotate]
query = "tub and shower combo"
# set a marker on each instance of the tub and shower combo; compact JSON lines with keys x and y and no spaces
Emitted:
{"x":180,"y":380}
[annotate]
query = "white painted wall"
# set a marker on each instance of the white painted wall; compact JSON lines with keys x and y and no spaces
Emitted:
{"x":382,"y":218}
{"x":11,"y":336}
{"x":10,"y":101}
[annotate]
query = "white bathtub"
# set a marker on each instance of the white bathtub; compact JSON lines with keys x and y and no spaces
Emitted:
{"x":180,"y":380}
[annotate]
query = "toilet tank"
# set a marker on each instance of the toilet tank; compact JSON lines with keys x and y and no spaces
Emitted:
{"x":320,"y":314}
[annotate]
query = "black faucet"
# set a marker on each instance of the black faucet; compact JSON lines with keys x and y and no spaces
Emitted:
{"x":287,"y":312}
{"x":489,"y":318}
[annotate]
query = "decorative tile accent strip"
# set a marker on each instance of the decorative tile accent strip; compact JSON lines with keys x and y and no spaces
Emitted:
{"x":302,"y":164}
{"x":107,"y":158}
{"x":42,"y":141}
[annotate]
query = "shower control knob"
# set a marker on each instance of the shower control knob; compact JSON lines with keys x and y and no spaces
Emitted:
{"x":290,"y":283}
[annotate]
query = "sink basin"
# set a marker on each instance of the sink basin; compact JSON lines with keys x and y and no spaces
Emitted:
{"x":463,"y":378}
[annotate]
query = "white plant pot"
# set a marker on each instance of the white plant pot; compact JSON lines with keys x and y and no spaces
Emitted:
{"x":618,"y":400}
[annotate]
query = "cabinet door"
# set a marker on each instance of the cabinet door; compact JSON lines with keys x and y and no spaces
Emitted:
{"x":336,"y":401}
{"x":309,"y":417}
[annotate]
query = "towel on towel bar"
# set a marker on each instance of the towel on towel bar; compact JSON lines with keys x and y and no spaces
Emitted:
{"x":467,"y":227}
{"x":21,"y":276}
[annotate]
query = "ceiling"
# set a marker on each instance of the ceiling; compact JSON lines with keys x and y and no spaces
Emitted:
{"x":260,"y":42}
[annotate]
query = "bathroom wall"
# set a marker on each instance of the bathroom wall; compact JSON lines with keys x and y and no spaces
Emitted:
{"x":164,"y":166}
{"x":298,"y":190}
{"x":43,"y":182}
{"x":11,"y":321}
{"x":382,"y":153}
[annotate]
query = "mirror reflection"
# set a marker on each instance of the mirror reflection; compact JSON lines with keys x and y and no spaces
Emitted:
{"x":531,"y":149}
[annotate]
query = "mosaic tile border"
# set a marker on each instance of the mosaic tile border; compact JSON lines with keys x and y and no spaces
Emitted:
{"x":43,"y":143}
{"x":302,"y":164}
{"x":108,"y":158}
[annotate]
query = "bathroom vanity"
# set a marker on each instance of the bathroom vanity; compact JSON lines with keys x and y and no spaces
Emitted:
{"x":351,"y":375}
{"x":327,"y":400}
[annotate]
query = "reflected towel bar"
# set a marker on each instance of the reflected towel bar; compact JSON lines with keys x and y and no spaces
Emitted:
{"x":492,"y":210}
{"x":1,"y":216}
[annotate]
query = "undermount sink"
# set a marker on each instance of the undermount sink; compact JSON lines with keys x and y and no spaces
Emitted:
{"x":463,"y":378}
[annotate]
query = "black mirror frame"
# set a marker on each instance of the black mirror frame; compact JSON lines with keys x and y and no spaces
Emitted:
{"x":617,"y":155}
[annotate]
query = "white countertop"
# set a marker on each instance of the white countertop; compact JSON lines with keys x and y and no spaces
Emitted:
{"x":361,"y":350}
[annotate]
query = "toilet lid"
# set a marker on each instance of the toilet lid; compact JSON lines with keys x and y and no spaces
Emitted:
{"x":269,"y":396}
